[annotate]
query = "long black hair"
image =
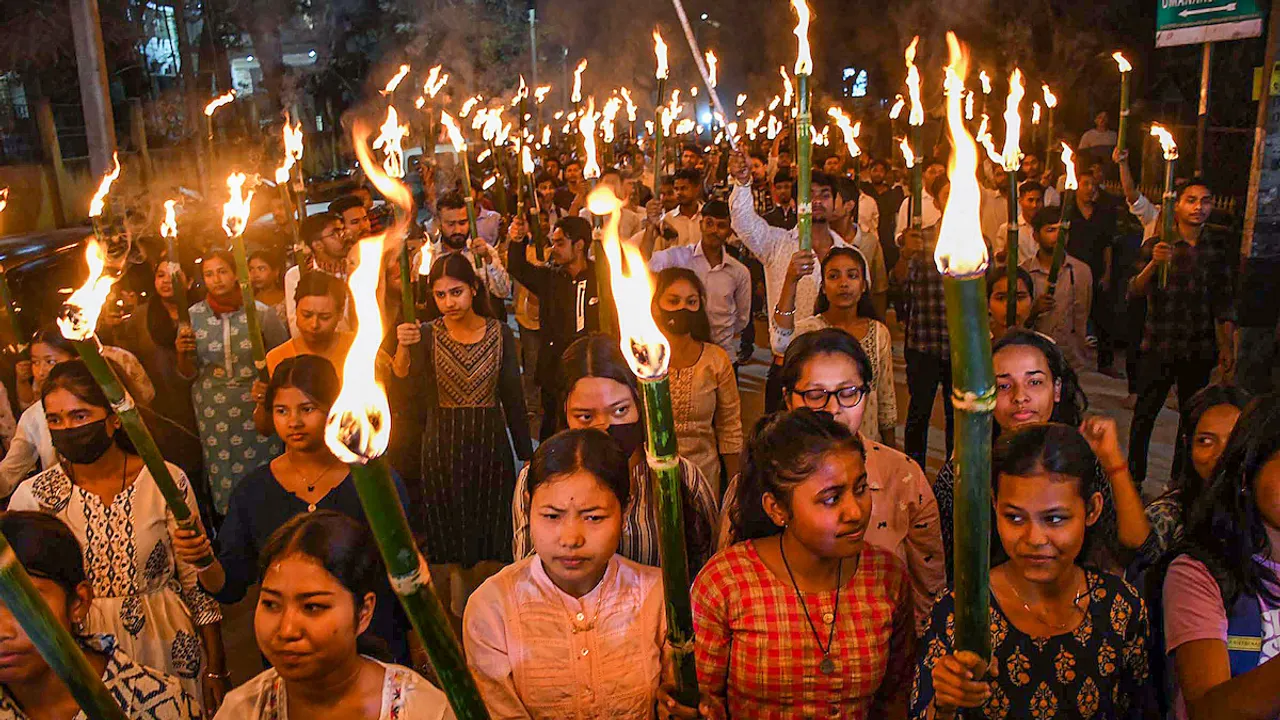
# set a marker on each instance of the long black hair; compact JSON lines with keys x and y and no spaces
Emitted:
{"x":1225,"y":528}
{"x":312,"y":375}
{"x":865,"y":308}
{"x":74,"y":377}
{"x":1070,"y":409}
{"x":457,"y":266}
{"x":784,"y":450}
{"x":588,"y":450}
{"x":1186,"y":481}
{"x":701,"y":329}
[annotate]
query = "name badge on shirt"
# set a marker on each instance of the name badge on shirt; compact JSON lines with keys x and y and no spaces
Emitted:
{"x":1245,"y":643}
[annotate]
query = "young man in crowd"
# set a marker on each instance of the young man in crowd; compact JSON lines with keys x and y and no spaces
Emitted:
{"x":324,"y":234}
{"x":1063,"y":315}
{"x":783,"y":213}
{"x":1030,"y":202}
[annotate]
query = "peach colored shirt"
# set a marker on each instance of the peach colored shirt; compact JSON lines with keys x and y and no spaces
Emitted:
{"x":538,"y":652}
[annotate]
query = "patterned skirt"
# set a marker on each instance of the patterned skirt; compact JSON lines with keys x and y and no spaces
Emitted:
{"x":462,"y":502}
{"x":155,"y":630}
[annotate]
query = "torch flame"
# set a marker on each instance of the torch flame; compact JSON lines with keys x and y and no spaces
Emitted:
{"x":235,"y":212}
{"x":526,"y":160}
{"x":631,"y":107}
{"x":79,"y":315}
{"x":169,"y":228}
{"x":4,"y":198}
{"x":804,"y":59}
{"x":546,"y":134}
{"x":968,"y":105}
{"x":1068,"y":161}
{"x":468,"y":106}
{"x":787,"y":90}
{"x":961,"y":251}
{"x":611,"y":108}
{"x":850,"y":131}
{"x":711,"y":67}
{"x":896,"y":110}
{"x":985,"y":79}
{"x":522,"y":93}
{"x":1013,"y":122}
{"x":577,"y":81}
{"x":643,"y":344}
{"x":97,"y":202}
{"x":1122,"y":62}
{"x":1035,"y":113}
{"x":435,"y":82}
{"x":984,"y":138}
{"x":392,"y":132}
{"x":660,"y":50}
{"x":394,"y":82}
{"x":587,"y":126}
{"x":913,"y":84}
{"x":1167,"y":144}
{"x":484,"y":155}
{"x":541,"y":93}
{"x":455,"y":134}
{"x":1050,"y":100}
{"x":742,"y":99}
{"x":774,"y":105}
{"x":218,"y":102}
{"x":293,"y":147}
{"x":907,"y":153}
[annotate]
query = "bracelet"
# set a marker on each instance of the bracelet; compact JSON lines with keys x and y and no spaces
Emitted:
{"x":224,"y":675}
{"x":776,"y":311}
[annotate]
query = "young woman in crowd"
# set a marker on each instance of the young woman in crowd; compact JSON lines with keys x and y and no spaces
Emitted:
{"x":575,"y":630}
{"x":1066,"y":640}
{"x":804,"y":588}
{"x":306,"y":478}
{"x":144,"y":596}
{"x":466,"y":371}
{"x":217,"y":354}
{"x":1210,"y":417}
{"x":704,"y":387}
{"x":824,"y":370}
{"x":267,"y":277}
{"x":1222,"y":597}
{"x":844,"y":303}
{"x":998,"y":300}
{"x":29,"y":688}
{"x":1035,"y":384}
{"x":318,"y":574}
{"x":601,"y":392}
{"x":31,"y":442}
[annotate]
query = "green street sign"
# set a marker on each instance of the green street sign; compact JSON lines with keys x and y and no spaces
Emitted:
{"x":1191,"y":22}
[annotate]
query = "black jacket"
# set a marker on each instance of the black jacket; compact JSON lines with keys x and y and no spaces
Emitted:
{"x":569,"y":307}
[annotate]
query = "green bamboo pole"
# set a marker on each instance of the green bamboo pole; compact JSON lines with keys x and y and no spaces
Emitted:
{"x":917,"y":177}
{"x":1064,"y":234}
{"x":1169,"y":231}
{"x":1011,"y":248}
{"x":667,"y":483}
{"x":1123,"y":124}
{"x":468,"y":199}
{"x":55,"y":644}
{"x":973,"y":396}
{"x":90,"y":351}
{"x":179,"y":281}
{"x":657,"y":139}
{"x":411,"y":582}
{"x":252,"y":321}
{"x":407,"y":306}
{"x":804,"y":159}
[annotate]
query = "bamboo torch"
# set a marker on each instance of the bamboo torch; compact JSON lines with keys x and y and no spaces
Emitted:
{"x":591,"y":173}
{"x":235,"y":216}
{"x":169,"y":231}
{"x":358,"y":430}
{"x":660,"y":50}
{"x":648,"y":353}
{"x":1068,"y":201}
{"x":804,"y":127}
{"x":460,"y":147}
{"x":961,"y":257}
{"x":292,"y":152}
{"x":1125,"y":71}
{"x":1012,"y":159}
{"x":916,"y":121}
{"x":77,"y":320}
{"x":98,"y":202}
{"x":392,"y":133}
{"x":1169,"y":228}
{"x":851,"y":133}
{"x":1050,"y":102}
{"x":209,"y":110}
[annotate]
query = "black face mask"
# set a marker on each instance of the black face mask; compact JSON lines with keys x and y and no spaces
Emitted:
{"x":84,"y":444}
{"x":629,"y":436}
{"x":677,"y":322}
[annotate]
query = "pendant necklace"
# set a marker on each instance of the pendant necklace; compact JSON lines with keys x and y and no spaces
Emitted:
{"x":827,"y":666}
{"x":311,"y":486}
{"x":1042,"y":617}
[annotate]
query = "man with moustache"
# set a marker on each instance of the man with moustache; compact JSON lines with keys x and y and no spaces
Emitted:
{"x":455,"y":237}
{"x":326,"y":235}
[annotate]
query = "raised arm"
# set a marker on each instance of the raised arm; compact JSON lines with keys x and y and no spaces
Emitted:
{"x":762,"y":239}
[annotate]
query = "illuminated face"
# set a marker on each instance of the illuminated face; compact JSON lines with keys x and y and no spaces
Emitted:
{"x":20,"y":661}
{"x":686,"y":191}
{"x":1195,"y":204}
{"x":1026,"y":391}
{"x":562,"y":248}
{"x":1210,"y":437}
{"x":715,"y":231}
{"x":219,"y":277}
{"x":831,"y":383}
{"x":828,"y":512}
{"x":596,"y":402}
{"x":689,"y":159}
{"x":667,"y":196}
{"x":759,"y":170}
{"x":998,"y":304}
{"x":833,"y":166}
{"x":454,"y":228}
{"x":332,"y":243}
{"x":573,"y":173}
{"x":575,"y":523}
{"x":1041,"y":520}
{"x":317,"y":318}
{"x":355,"y":223}
{"x":261,"y":275}
{"x":1030,"y":203}
{"x":932,"y":172}
{"x":299,"y":420}
{"x":1047,"y":236}
{"x":843,"y":282}
{"x":822,"y":200}
{"x":453,"y":297}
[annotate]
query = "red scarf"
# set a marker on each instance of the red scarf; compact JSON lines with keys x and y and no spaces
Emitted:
{"x":237,"y":300}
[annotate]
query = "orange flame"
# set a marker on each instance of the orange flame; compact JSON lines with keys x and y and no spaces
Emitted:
{"x":898,"y":105}
{"x":968,"y":105}
{"x":787,"y":89}
{"x":455,"y":134}
{"x":1035,"y":113}
{"x":711,"y":68}
{"x":235,"y":212}
{"x":985,"y":79}
{"x":773,"y":128}
{"x":1068,"y":161}
{"x":693,"y":91}
{"x":913,"y":84}
{"x":522,"y":92}
{"x":78,"y":317}
{"x":643,"y":345}
{"x":293,"y":147}
{"x":435,"y":82}
{"x":577,"y":81}
{"x":468,"y":106}
{"x":546,"y":134}
{"x":1167,"y":144}
{"x":631,"y":107}
{"x":961,"y":251}
{"x":218,"y":102}
{"x":526,"y":160}
{"x":660,"y":51}
{"x":804,"y":58}
{"x":742,"y":99}
{"x":907,"y":153}
{"x":774,"y":105}
{"x":4,"y":198}
{"x":394,"y":82}
{"x":984,"y":138}
{"x":611,"y":108}
{"x":169,"y":227}
{"x":541,"y":93}
{"x":1122,"y":62}
{"x":99,"y":198}
{"x":1013,"y":122}
{"x":850,"y":131}
{"x":389,"y":141}
{"x":484,"y":155}
{"x":1050,"y":100}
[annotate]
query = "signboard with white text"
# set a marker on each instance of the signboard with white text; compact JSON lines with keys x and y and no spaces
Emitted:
{"x":1192,"y":22}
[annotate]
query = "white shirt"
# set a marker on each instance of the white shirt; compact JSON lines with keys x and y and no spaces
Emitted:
{"x":1148,"y":213}
{"x":929,"y":212}
{"x":496,"y":278}
{"x":30,"y":443}
{"x":1094,"y":137}
{"x":728,"y":287}
{"x":1067,"y":322}
{"x":406,"y":695}
{"x":1027,"y":245}
{"x":688,"y":229}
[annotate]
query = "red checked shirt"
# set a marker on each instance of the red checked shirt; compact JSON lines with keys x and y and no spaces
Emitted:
{"x":758,"y":655}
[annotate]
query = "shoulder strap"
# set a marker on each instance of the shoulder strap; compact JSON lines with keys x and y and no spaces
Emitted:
{"x":1244,"y":634}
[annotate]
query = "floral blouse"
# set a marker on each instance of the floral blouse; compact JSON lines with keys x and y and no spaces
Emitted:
{"x":406,"y":695}
{"x":1099,"y":670}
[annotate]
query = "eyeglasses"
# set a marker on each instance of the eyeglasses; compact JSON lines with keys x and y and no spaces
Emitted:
{"x":846,"y":397}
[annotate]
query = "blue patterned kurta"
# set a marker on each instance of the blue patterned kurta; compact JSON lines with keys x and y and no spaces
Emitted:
{"x":223,"y":399}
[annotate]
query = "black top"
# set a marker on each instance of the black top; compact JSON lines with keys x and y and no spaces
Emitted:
{"x":1200,"y":292}
{"x":570,"y":306}
{"x":1090,"y":237}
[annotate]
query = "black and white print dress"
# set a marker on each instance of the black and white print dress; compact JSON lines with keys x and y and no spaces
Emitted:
{"x":142,"y":593}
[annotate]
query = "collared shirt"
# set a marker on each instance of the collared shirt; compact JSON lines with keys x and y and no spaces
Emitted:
{"x":496,"y":278}
{"x":925,"y":319}
{"x":930,"y":215}
{"x":782,"y":216}
{"x":728,"y":288}
{"x":762,"y":196}
{"x":1027,"y":245}
{"x":1067,"y":322}
{"x":688,"y":229}
{"x":405,"y":695}
{"x":536,"y":651}
{"x":1181,"y":317}
{"x":774,"y":248}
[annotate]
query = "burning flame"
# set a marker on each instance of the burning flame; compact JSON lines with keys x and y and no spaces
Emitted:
{"x":787,"y":90}
{"x":1122,"y":62}
{"x":394,"y":82}
{"x":986,"y":82}
{"x":984,"y":138}
{"x":1050,"y":100}
{"x":392,"y":132}
{"x":455,"y":134}
{"x":896,"y":110}
{"x":773,"y":128}
{"x":774,"y":105}
{"x":99,"y":198}
{"x":541,"y":93}
{"x":611,"y":108}
{"x":643,"y":344}
{"x":587,"y":126}
{"x":79,"y":315}
{"x":850,"y":131}
{"x":484,"y":155}
{"x":468,"y":106}
{"x":907,"y":154}
{"x":1035,"y":113}
{"x":742,"y":99}
{"x":961,"y":251}
{"x":1167,"y":144}
{"x":711,"y":67}
{"x":968,"y":105}
{"x":577,"y":81}
{"x":631,"y":107}
{"x":546,"y":134}
{"x":804,"y":60}
{"x":235,"y":213}
{"x":293,"y":147}
{"x":218,"y":102}
{"x":488,"y":182}
{"x":522,"y":93}
{"x":913,"y":84}
{"x":169,"y":228}
{"x":435,"y":82}
{"x":1068,"y":161}
{"x":4,"y":198}
{"x":526,"y":160}
{"x":1013,"y":122}
{"x":660,"y":50}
